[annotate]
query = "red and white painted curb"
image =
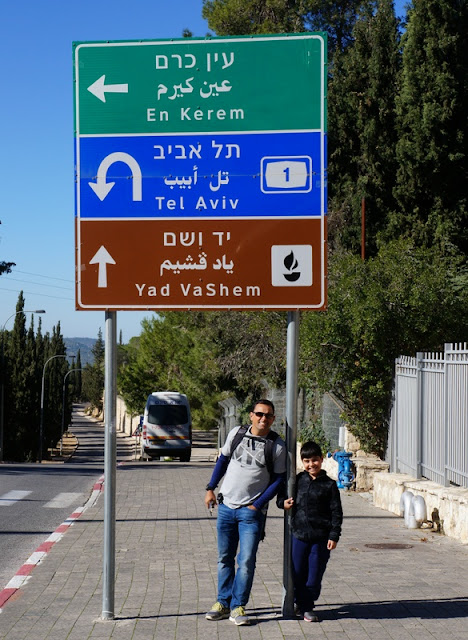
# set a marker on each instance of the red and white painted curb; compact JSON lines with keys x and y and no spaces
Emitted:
{"x":23,"y":574}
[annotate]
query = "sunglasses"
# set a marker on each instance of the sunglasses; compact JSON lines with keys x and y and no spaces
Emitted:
{"x":260,"y":414}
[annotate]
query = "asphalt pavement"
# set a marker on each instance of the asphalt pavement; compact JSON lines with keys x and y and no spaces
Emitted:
{"x":383,"y":581}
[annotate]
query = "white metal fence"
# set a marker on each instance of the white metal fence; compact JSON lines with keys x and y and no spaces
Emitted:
{"x":429,"y":422}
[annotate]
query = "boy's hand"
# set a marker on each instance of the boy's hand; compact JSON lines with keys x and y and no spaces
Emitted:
{"x":288,"y":503}
{"x":331,"y":544}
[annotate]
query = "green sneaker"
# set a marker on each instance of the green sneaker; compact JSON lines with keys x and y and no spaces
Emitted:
{"x":238,"y":616}
{"x":217,"y":612}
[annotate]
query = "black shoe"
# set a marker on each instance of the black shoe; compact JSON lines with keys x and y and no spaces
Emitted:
{"x":309,"y":616}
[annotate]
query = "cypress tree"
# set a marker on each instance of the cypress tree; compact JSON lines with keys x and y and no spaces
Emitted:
{"x":22,"y":389}
{"x":432,"y":107}
{"x":54,"y":374}
{"x":15,"y":399}
{"x":76,"y":379}
{"x":362,"y":129}
{"x":93,"y":378}
{"x":33,"y":384}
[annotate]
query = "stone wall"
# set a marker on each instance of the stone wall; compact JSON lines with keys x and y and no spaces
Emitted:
{"x":124,"y":421}
{"x":447,"y":504}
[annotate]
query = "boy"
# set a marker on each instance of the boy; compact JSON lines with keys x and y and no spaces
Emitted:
{"x":316,"y":527}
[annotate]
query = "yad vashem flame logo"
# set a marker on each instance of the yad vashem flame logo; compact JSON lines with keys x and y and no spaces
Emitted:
{"x":291,"y":265}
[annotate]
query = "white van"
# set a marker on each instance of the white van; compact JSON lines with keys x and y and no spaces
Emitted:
{"x":167,"y":426}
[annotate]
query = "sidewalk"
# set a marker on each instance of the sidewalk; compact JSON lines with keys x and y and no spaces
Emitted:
{"x":166,"y":572}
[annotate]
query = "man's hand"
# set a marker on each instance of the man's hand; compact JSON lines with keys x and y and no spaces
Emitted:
{"x":331,"y":544}
{"x":288,"y":503}
{"x":210,"y":499}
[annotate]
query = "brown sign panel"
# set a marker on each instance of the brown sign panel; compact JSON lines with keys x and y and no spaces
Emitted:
{"x":201,"y":264}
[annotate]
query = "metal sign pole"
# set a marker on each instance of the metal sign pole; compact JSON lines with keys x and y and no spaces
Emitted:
{"x":292,"y":357}
{"x":110,"y":461}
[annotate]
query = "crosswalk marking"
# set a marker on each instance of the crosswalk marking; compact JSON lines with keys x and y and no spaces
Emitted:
{"x":62,"y":500}
{"x":12,"y":496}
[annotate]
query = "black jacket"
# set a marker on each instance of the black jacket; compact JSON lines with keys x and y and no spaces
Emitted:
{"x":317,"y":512}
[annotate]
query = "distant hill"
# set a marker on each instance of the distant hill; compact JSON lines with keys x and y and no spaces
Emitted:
{"x":84,"y":345}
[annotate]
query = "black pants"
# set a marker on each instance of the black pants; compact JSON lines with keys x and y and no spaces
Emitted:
{"x":309,"y":563}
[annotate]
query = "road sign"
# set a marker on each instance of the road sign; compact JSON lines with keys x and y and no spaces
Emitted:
{"x":201,"y":175}
{"x":198,"y":264}
{"x":194,"y":156}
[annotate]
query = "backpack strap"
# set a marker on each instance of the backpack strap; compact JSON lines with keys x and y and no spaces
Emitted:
{"x":237,"y":439}
{"x":269,"y":447}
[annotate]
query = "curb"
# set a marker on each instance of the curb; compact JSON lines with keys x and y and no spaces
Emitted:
{"x":23,"y":573}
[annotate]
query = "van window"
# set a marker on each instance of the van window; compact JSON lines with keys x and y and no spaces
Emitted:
{"x":160,"y":414}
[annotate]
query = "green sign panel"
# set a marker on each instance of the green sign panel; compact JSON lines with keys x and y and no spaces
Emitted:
{"x":264,"y":83}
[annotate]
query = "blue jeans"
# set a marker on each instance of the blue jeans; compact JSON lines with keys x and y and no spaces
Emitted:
{"x":237,"y":527}
{"x":309,"y":563}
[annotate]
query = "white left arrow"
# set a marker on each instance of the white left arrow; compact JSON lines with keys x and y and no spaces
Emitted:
{"x":101,"y":188}
{"x":102,"y":258}
{"x":100,"y":88}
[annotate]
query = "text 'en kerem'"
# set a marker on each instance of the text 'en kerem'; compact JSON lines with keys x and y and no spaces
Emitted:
{"x":188,"y":114}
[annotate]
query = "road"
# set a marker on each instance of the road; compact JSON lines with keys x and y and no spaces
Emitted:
{"x":90,"y":434}
{"x":36,"y":498}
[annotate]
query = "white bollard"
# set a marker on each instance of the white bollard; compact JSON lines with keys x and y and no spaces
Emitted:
{"x":413,"y":509}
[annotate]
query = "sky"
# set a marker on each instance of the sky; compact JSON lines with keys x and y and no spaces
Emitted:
{"x":37,"y":145}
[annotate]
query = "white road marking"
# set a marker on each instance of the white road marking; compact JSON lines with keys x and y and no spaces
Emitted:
{"x":11,"y":497}
{"x":62,"y":500}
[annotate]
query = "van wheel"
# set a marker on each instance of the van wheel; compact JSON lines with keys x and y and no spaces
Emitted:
{"x":185,"y":457}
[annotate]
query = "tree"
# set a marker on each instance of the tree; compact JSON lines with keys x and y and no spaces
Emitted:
{"x":54,"y":373}
{"x":202,"y":355}
{"x":25,"y":356}
{"x":76,"y":382}
{"x":362,"y":137}
{"x":404,"y":300}
{"x":172,"y":353}
{"x":260,"y":355}
{"x":245,"y":17}
{"x":5,"y":267}
{"x":93,"y":376}
{"x":19,"y":419}
{"x":337,"y":18}
{"x":432,"y":105}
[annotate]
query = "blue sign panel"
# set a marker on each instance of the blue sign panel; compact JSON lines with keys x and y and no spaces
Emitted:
{"x":201,"y":176}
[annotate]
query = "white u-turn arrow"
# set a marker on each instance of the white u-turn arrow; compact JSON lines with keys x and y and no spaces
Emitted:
{"x":102,"y":258}
{"x":101,"y":188}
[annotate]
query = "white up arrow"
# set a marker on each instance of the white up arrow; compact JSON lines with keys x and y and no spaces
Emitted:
{"x":102,"y":258}
{"x":100,"y":88}
{"x":101,"y":188}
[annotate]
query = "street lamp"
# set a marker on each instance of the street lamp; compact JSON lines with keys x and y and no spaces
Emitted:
{"x":3,"y":375}
{"x":60,"y":355}
{"x":63,"y":405}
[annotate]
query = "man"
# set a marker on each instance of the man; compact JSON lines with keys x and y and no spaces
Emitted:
{"x":250,"y":481}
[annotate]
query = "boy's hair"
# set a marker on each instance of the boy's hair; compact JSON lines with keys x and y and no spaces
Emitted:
{"x":268,"y":403}
{"x":311,"y":450}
